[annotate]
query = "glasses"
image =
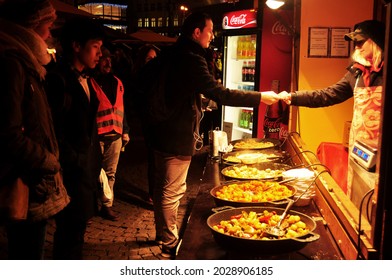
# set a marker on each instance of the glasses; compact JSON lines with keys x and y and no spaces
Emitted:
{"x":359,"y":43}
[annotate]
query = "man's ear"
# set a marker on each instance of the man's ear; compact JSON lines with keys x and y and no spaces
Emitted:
{"x":75,"y":46}
{"x":196,"y":33}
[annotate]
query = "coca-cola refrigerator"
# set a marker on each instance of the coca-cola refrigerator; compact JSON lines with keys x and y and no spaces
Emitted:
{"x":257,"y":56}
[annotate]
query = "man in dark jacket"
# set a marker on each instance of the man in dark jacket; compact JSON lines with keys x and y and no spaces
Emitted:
{"x":174,"y":140}
{"x":74,"y":105}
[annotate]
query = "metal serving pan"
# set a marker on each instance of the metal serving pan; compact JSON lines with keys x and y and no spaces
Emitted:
{"x":264,"y":247}
{"x":253,"y":156}
{"x":223,"y":202}
{"x":255,"y":143}
{"x":259,"y":171}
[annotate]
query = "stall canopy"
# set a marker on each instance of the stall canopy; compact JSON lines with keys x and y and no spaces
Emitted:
{"x":65,"y":8}
{"x":149,"y":36}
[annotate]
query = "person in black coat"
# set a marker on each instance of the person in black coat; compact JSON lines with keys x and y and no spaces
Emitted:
{"x":74,"y":106}
{"x":175,"y":139}
{"x":29,"y":146}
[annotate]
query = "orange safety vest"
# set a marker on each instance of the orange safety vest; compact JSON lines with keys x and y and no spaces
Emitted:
{"x":109,"y":117}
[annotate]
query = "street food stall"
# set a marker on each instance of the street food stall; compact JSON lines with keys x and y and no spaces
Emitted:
{"x":337,"y":228}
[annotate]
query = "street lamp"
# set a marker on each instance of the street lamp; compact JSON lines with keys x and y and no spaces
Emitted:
{"x":184,"y":10}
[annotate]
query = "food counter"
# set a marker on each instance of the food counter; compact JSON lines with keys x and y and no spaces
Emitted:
{"x":198,"y":241}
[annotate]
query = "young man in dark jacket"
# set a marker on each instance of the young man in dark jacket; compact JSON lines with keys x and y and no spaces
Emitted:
{"x":74,"y":105}
{"x":174,"y":140}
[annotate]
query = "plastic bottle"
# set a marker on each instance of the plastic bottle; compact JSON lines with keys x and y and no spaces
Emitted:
{"x":244,"y":71}
{"x":272,"y":120}
{"x":246,"y":119}
{"x":241,"y":118}
{"x":251,"y":71}
{"x":240,"y":47}
{"x":251,"y":120}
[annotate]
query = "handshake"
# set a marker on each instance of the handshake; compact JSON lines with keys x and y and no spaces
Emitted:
{"x":270,"y":97}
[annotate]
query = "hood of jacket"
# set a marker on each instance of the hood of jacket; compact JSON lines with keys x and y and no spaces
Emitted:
{"x":26,"y":44}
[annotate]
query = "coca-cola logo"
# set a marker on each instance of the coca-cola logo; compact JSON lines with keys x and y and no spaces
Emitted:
{"x":272,"y":124}
{"x":279,"y":29}
{"x":240,"y":20}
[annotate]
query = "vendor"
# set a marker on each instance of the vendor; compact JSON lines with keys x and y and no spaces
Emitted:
{"x":363,"y":81}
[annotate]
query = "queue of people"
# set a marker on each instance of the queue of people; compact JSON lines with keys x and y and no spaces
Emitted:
{"x":65,"y":125}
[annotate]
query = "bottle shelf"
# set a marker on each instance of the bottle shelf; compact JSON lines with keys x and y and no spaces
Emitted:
{"x":246,"y":130}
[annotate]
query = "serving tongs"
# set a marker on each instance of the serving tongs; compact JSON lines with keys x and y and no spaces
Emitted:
{"x":277,"y":229}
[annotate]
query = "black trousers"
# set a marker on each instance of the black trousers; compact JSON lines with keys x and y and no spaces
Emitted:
{"x":68,"y":239}
{"x":26,"y":240}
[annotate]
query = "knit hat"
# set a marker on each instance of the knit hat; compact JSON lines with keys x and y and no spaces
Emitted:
{"x":28,"y":13}
{"x":364,"y":30}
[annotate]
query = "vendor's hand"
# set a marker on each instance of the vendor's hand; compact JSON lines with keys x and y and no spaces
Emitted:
{"x":125,"y":139}
{"x":285,"y":96}
{"x":269,"y":97}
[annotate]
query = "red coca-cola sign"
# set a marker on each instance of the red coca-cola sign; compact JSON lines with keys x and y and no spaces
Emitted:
{"x":240,"y":19}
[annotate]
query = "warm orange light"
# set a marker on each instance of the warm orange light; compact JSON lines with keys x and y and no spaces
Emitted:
{"x":184,"y":8}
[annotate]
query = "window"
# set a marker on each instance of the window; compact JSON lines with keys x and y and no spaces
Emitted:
{"x":140,"y":22}
{"x":175,"y":21}
{"x":153,"y":22}
{"x":146,"y":22}
{"x":160,"y":22}
{"x":106,"y":11}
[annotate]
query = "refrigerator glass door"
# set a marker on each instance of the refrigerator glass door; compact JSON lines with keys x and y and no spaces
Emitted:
{"x":239,"y":73}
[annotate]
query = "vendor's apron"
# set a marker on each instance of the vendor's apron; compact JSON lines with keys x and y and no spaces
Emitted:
{"x":365,"y":125}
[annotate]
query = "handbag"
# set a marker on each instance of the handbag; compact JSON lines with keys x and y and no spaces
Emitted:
{"x":14,"y":201}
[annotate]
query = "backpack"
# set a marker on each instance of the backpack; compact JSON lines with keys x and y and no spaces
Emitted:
{"x":151,"y":90}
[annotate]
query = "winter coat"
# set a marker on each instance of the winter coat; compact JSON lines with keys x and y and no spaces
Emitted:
{"x":74,"y":119}
{"x":337,"y":93}
{"x":188,"y":77}
{"x":29,"y":146}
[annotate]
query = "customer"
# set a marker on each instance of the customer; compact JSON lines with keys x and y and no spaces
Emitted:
{"x":112,"y":125}
{"x":74,"y":105}
{"x":363,"y":81}
{"x":145,"y":53}
{"x":174,"y":140}
{"x":29,"y":147}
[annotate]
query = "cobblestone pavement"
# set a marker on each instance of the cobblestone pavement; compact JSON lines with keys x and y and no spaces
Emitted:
{"x":132,"y":236}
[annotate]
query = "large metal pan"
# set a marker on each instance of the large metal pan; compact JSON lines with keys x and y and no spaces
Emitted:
{"x":262,"y":247}
{"x":255,"y":143}
{"x":253,"y":156}
{"x":259,"y":171}
{"x":224,"y":202}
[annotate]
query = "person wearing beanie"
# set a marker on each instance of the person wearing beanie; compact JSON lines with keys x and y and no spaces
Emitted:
{"x":74,"y":105}
{"x":30,"y":149}
{"x":363,"y":81}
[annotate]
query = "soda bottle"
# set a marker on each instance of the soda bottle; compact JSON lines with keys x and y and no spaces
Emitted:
{"x":272,"y":121}
{"x":272,"y":118}
{"x":246,"y":118}
{"x":251,"y":120}
{"x":284,"y":125}
{"x":251,"y":71}
{"x":240,"y":47}
{"x":241,"y":118}
{"x":244,"y":71}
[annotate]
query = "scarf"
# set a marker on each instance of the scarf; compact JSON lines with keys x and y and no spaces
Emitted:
{"x":26,"y":43}
{"x":366,"y":71}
